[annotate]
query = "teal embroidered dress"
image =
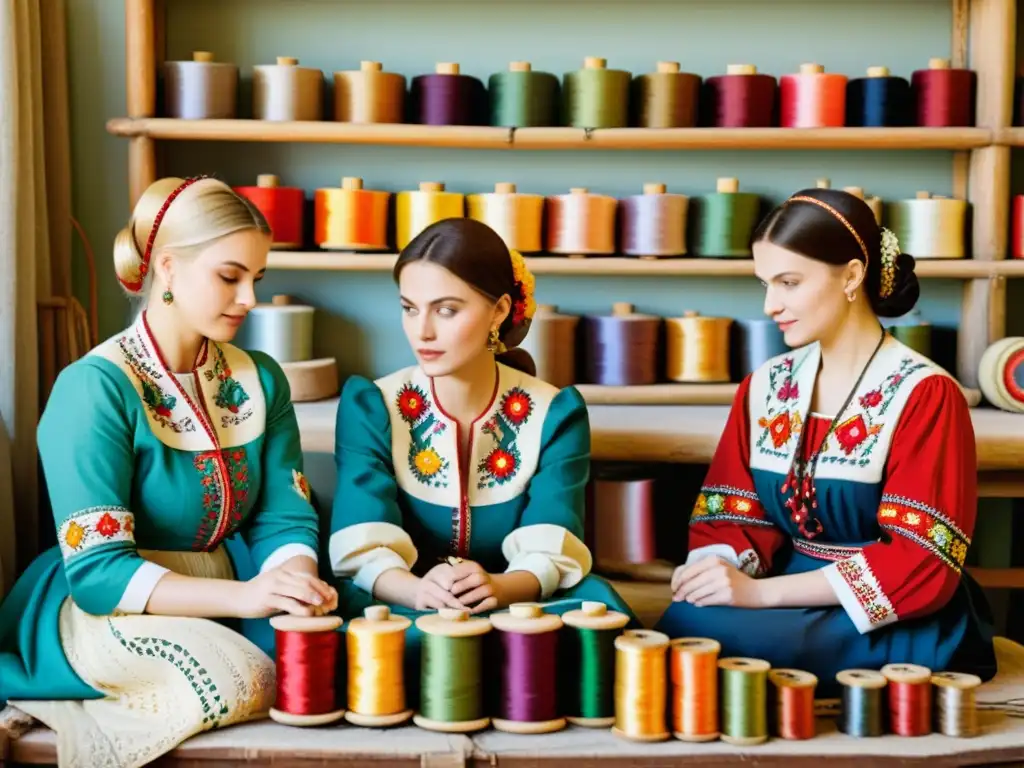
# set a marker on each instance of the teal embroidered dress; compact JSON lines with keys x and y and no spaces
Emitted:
{"x":515,"y":501}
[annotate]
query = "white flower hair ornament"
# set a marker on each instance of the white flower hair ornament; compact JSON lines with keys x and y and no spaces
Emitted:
{"x":890,"y":251}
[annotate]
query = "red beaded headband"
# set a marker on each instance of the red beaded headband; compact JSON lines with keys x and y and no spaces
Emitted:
{"x":136,"y":285}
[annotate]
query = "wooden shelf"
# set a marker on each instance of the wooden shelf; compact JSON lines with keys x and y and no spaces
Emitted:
{"x":1009,"y":137}
{"x":487,"y":137}
{"x":623,"y":266}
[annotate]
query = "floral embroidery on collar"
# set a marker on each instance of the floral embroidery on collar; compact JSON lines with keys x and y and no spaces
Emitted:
{"x":501,"y":464}
{"x":781,"y":424}
{"x":425,"y":463}
{"x":158,"y":400}
{"x":231,"y":395}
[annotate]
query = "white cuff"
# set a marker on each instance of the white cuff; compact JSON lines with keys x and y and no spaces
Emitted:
{"x":383,"y":559}
{"x":540,"y":566}
{"x":552,"y":553}
{"x":362,"y":552}
{"x":860,"y":594}
{"x":141,"y":585}
{"x":285,"y":553}
{"x":747,"y":561}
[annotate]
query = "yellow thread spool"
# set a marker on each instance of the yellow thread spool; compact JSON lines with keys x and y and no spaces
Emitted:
{"x":376,"y":685}
{"x":517,"y":217}
{"x":369,"y":95}
{"x":286,"y":91}
{"x":641,"y":685}
{"x":697,"y":348}
{"x":351,"y":218}
{"x":417,"y":210}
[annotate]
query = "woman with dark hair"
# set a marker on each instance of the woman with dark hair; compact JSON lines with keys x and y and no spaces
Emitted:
{"x":834,"y":522}
{"x":461,"y":479}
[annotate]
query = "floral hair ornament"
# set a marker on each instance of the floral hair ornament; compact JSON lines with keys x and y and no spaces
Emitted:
{"x":524,"y":307}
{"x":890,"y":251}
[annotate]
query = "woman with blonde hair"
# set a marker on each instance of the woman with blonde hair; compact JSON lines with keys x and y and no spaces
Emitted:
{"x":158,"y":447}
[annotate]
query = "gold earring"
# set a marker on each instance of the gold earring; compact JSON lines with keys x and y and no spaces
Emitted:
{"x":851,"y":296}
{"x":493,"y":340}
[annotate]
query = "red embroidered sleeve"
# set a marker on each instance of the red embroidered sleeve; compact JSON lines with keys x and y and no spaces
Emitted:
{"x":926,"y":515}
{"x":728,"y":519}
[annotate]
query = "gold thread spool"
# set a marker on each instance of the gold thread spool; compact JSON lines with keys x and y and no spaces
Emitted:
{"x":697,"y":348}
{"x":551,"y":342}
{"x":930,"y":226}
{"x":351,"y":218}
{"x":956,"y":712}
{"x":694,"y":675}
{"x":653,"y":224}
{"x":369,"y":95}
{"x":310,"y":625}
{"x":594,"y":616}
{"x":286,"y":91}
{"x":417,"y":210}
{"x":200,"y":89}
{"x":517,"y":217}
{"x":753,"y":710}
{"x":376,"y":688}
{"x":455,"y":623}
{"x":665,"y":98}
{"x":581,"y":223}
{"x":641,"y":685}
{"x":999,"y":374}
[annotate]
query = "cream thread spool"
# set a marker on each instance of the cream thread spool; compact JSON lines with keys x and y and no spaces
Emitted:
{"x":518,"y":218}
{"x":285,"y":91}
{"x":930,"y":226}
{"x":376,"y":620}
{"x":417,"y":210}
{"x":581,"y":223}
{"x":281,"y":329}
{"x":369,"y":95}
{"x":551,"y":342}
{"x":654,"y":224}
{"x":697,"y":348}
{"x":200,"y":89}
{"x":1001,"y":374}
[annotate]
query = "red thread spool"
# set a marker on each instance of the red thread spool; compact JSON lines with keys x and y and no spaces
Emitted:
{"x":944,"y":97}
{"x":793,"y":706}
{"x":741,"y":98}
{"x":812,"y":98}
{"x":281,"y":207}
{"x":308,"y":659}
{"x":910,"y":699}
{"x":1017,"y":240}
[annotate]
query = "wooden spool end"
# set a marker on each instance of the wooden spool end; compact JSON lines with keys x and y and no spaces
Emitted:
{"x":308,"y":624}
{"x":594,"y":62}
{"x":504,"y":188}
{"x":792,"y":678}
{"x":351,"y":183}
{"x":857,"y":192}
{"x":741,"y":69}
{"x":431,"y":186}
{"x":519,"y":66}
{"x":823,"y":184}
{"x":527,"y":619}
{"x":923,"y":195}
{"x":641,"y":639}
{"x":377,"y":613}
{"x":878,"y":71}
{"x":938,"y":63}
{"x":281,"y":300}
{"x":312,"y":380}
{"x":911,"y":674}
{"x":203,"y":56}
{"x":454,"y":622}
{"x":861,"y":678}
{"x":287,"y":61}
{"x":267,"y":181}
{"x":668,"y":67}
{"x":701,"y":646}
{"x":959,"y":680}
{"x":727,"y":185}
{"x":446,"y":68}
{"x":622,"y":309}
{"x":370,"y":66}
{"x":811,"y":69}
{"x":691,"y":313}
{"x":654,"y":188}
{"x":578,"y":190}
{"x":595,"y":615}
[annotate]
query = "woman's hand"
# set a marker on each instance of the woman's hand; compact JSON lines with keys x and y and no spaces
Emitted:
{"x":475,"y":587}
{"x":281,"y":590}
{"x":713,"y":581}
{"x":434,"y":590}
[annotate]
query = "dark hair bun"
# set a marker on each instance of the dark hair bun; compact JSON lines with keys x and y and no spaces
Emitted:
{"x":906,"y":290}
{"x":519,"y":359}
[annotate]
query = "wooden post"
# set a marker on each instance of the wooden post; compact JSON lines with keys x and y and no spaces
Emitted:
{"x":140,"y":66}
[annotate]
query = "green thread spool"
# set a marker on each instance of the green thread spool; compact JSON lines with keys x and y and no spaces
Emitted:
{"x":597,"y":97}
{"x":930,"y":227}
{"x":588,"y":664}
{"x":452,"y":672}
{"x":725,"y":221}
{"x":744,"y":697}
{"x":523,"y":98}
{"x":914,"y":331}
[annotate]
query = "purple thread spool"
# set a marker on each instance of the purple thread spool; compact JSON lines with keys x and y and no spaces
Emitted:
{"x":448,"y":98}
{"x":621,"y":349}
{"x":654,"y":223}
{"x":527,"y":701}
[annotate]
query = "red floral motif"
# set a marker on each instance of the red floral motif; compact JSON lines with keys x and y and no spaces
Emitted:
{"x":107,"y":526}
{"x":789,"y":390}
{"x":871,"y":399}
{"x":411,"y":402}
{"x":517,"y":406}
{"x":501,"y":464}
{"x":781,"y":428}
{"x":853,"y":432}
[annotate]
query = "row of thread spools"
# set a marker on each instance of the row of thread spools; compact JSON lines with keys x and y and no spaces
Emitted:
{"x":592,"y":97}
{"x":526,"y":671}
{"x":656,"y":223}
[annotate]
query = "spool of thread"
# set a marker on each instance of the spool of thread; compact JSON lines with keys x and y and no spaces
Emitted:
{"x":376,"y":685}
{"x":201,"y":89}
{"x":1001,"y":374}
{"x":753,"y":343}
{"x":874,"y":202}
{"x":1017,"y":228}
{"x":351,"y":218}
{"x":517,"y":217}
{"x":914,"y":331}
{"x":369,"y":95}
{"x":581,"y":223}
{"x":625,"y":523}
{"x":725,"y":221}
{"x":862,"y":713}
{"x":930,"y":227}
{"x":522,"y":98}
{"x":281,"y":329}
{"x":744,"y":696}
{"x":528,"y":648}
{"x":286,"y":91}
{"x":741,"y":98}
{"x":312,"y":380}
{"x":666,"y":98}
{"x":956,"y":712}
{"x":621,"y":349}
{"x":552,"y":345}
{"x":447,"y":97}
{"x":417,"y":210}
{"x":823,"y":184}
{"x":697,"y":348}
{"x":813,"y":98}
{"x":654,"y":223}
{"x":944,"y":97}
{"x":910,"y":699}
{"x":694,"y":665}
{"x":588,"y":664}
{"x":282,"y":207}
{"x":793,"y":704}
{"x":879,"y":100}
{"x":641,"y":682}
{"x":308,"y":658}
{"x":452,"y":672}
{"x":595,"y":96}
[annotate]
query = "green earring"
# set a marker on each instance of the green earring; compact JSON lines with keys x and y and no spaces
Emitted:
{"x":168,"y":297}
